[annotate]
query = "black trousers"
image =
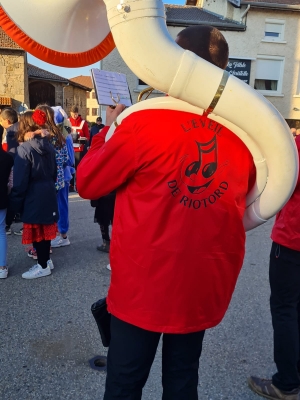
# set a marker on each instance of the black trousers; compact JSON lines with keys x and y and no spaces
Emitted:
{"x":10,"y":215}
{"x":131,"y":354}
{"x":284,"y":276}
{"x":105,"y":232}
{"x":43,"y":252}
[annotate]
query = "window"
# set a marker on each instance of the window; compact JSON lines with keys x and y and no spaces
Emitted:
{"x":87,"y":111}
{"x":93,"y":95}
{"x":274,"y":30}
{"x":269,"y":75}
{"x":95,"y":111}
{"x":141,"y":85}
{"x":87,"y":95}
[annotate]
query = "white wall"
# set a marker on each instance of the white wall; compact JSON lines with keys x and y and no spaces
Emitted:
{"x":223,"y":8}
{"x":250,"y":44}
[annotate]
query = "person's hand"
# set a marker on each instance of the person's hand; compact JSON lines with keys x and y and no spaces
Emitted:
{"x":43,"y":132}
{"x":113,"y":113}
{"x":29,"y":136}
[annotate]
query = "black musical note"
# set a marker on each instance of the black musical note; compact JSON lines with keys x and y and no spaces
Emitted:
{"x":209,"y":168}
{"x":207,"y":153}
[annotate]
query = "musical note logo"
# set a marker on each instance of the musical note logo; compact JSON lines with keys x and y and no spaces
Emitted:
{"x":198,"y":174}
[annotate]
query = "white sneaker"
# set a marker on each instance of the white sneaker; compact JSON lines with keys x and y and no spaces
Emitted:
{"x":36,"y":272}
{"x":60,"y":242}
{"x":3,"y":272}
{"x":50,"y":264}
{"x":108,"y":267}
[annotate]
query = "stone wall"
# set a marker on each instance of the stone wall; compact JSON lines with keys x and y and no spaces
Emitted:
{"x":59,"y":89}
{"x":66,"y":96}
{"x":14,"y":77}
{"x":75,"y":96}
{"x":26,"y":81}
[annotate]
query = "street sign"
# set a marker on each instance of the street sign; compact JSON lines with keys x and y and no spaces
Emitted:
{"x":240,"y":68}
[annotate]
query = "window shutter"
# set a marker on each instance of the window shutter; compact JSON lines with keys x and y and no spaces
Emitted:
{"x":276,"y":28}
{"x":268,"y":69}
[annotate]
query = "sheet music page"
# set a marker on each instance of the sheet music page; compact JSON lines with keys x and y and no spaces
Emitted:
{"x":110,"y":85}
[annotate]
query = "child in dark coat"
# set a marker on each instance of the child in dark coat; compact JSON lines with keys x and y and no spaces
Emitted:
{"x":33,"y":194}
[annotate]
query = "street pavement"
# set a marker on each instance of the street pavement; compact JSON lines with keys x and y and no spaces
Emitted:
{"x":48,"y":334}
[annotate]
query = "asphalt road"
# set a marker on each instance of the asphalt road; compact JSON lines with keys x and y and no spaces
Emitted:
{"x":48,"y":334}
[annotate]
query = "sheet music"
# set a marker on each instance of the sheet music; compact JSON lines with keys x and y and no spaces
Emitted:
{"x":109,"y":84}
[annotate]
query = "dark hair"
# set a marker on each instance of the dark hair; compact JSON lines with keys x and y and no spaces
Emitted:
{"x":99,"y":119}
{"x":26,"y":124}
{"x":50,"y":125}
{"x":207,"y":42}
{"x":9,"y":114}
{"x":74,"y":109}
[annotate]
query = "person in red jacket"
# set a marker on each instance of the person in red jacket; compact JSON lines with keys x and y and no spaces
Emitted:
{"x":178,"y":240}
{"x":284,"y":274}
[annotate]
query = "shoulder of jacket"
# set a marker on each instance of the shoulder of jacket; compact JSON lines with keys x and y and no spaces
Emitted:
{"x":24,"y":148}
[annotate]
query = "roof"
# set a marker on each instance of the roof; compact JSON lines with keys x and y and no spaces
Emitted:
{"x":39,"y":73}
{"x":35,"y":72}
{"x":293,"y":5}
{"x":192,"y":15}
{"x":7,"y":43}
{"x":83,"y":80}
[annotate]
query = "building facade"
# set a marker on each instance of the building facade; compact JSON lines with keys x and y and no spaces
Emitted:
{"x":46,"y":87}
{"x":272,"y":50}
{"x":13,"y":74}
{"x":23,"y":85}
{"x":263,"y":38}
{"x":93,"y":109}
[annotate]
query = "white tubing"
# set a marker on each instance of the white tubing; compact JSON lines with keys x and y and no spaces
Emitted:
{"x":141,"y":36}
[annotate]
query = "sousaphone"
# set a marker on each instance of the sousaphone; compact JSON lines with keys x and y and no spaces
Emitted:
{"x":74,"y":33}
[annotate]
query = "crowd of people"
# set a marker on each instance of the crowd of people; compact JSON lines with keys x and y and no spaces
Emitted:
{"x":174,"y":267}
{"x":37,"y":167}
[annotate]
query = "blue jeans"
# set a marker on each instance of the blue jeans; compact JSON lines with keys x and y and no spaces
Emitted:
{"x":3,"y":239}
{"x":63,"y":208}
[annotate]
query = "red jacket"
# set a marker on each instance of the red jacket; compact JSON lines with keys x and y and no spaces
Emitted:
{"x":178,"y":240}
{"x":286,"y":230}
{"x":81,"y":126}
